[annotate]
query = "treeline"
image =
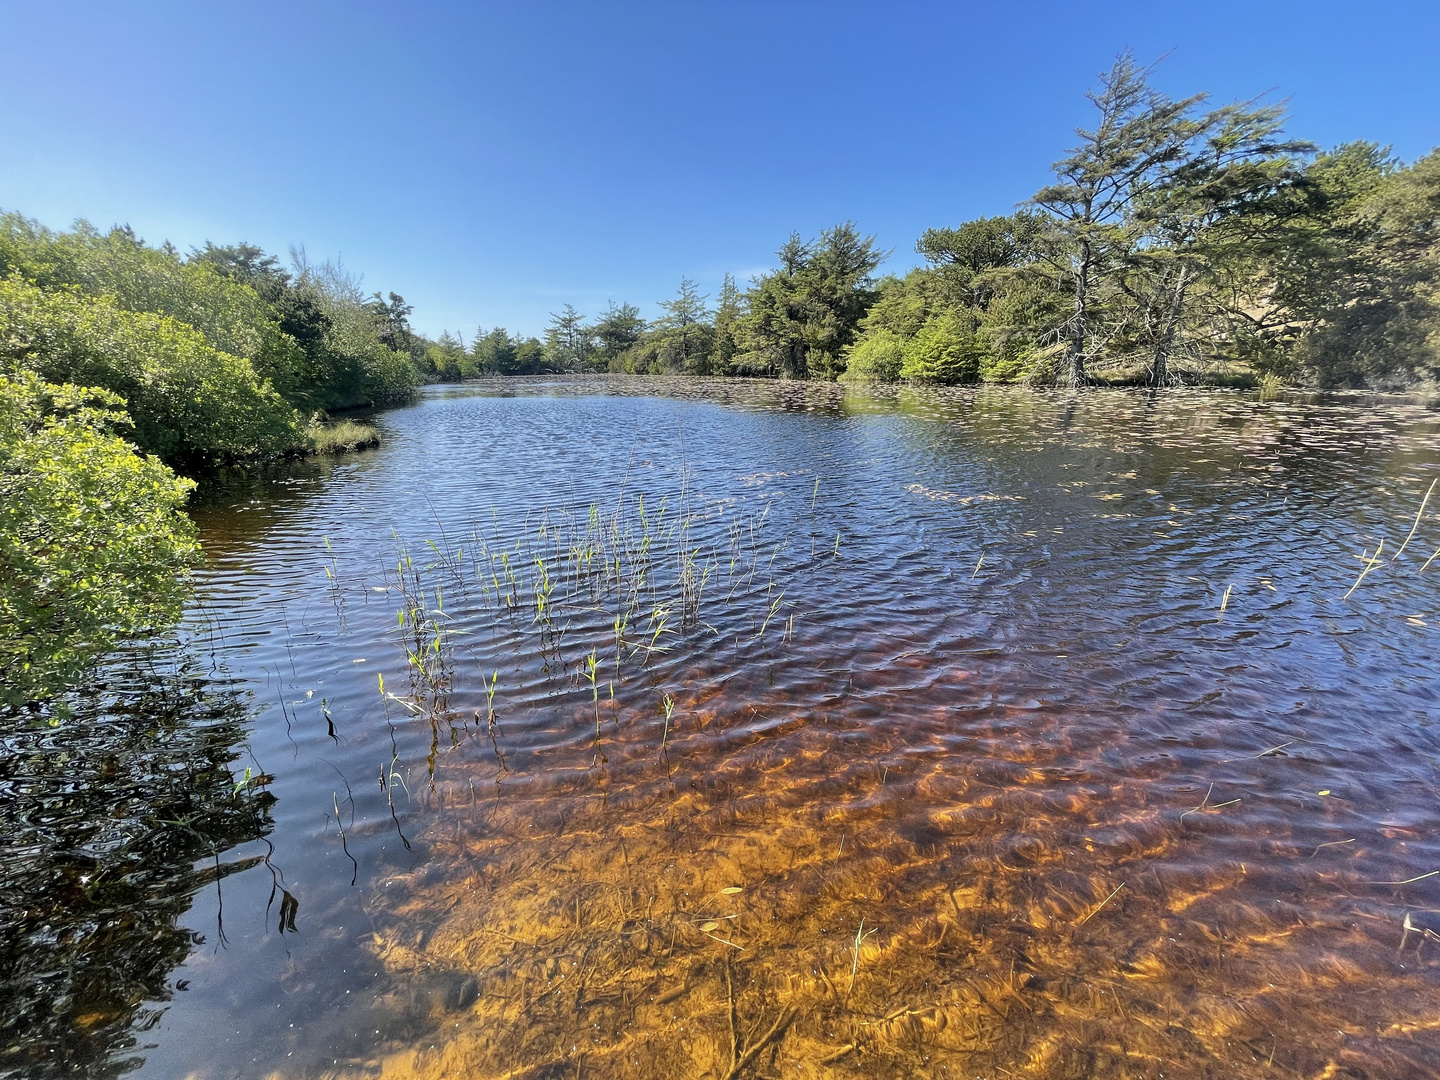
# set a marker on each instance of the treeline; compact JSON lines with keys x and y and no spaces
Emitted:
{"x":121,"y":363}
{"x":798,"y":322}
{"x":219,"y":355}
{"x":1177,"y":243}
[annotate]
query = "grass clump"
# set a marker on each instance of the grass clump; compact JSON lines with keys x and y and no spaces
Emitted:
{"x":341,"y":437}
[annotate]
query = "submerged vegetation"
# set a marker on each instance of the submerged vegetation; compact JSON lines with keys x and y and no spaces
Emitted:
{"x":726,"y":758}
{"x":588,"y":594}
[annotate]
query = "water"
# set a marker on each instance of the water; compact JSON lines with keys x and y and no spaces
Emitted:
{"x":1010,"y":735}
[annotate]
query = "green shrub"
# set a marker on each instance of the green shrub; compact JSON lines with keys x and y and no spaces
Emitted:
{"x":945,"y":350}
{"x":92,"y":535}
{"x":1012,"y":362}
{"x":876,"y":357}
{"x":189,"y":402}
{"x":390,"y":377}
{"x":231,"y":315}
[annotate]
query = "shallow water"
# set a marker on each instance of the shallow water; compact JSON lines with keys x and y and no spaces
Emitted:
{"x":1010,"y":735}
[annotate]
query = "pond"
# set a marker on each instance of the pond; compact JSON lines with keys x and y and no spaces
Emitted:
{"x":646,"y":728}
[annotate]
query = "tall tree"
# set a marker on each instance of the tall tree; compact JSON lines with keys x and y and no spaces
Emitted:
{"x":683,"y":330}
{"x":966,"y":258}
{"x":394,"y":317}
{"x":728,"y":311}
{"x":445,"y":357}
{"x":492,"y":352}
{"x":1197,"y":222}
{"x":801,"y":317}
{"x":567,"y":341}
{"x":1139,"y":135}
{"x":1353,"y":282}
{"x":616,"y":331}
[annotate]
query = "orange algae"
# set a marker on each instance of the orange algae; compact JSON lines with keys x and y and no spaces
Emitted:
{"x":1004,"y":915}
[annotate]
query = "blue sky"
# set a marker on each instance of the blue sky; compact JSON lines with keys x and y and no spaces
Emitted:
{"x":492,"y":161}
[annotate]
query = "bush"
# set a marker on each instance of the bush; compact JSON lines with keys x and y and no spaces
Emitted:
{"x":92,"y":535}
{"x":390,"y":378}
{"x":945,"y":350}
{"x":876,"y":357}
{"x":231,"y":315}
{"x":189,"y":402}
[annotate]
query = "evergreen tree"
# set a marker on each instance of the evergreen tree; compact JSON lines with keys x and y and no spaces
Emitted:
{"x":1140,"y":135}
{"x":567,"y":341}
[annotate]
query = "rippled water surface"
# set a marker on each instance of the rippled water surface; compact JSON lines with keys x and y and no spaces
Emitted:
{"x":627,"y":728}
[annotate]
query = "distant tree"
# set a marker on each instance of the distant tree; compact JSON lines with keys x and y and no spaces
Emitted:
{"x":616,"y":331}
{"x":446,"y":356}
{"x":729,"y":310}
{"x":367,"y":371}
{"x":568,"y":344}
{"x":530,"y":356}
{"x":1203,"y":217}
{"x":683,"y":330}
{"x":801,"y":318}
{"x":394,"y":319}
{"x":1354,"y":282}
{"x":493,"y":352}
{"x":241,"y":262}
{"x":326,"y":378}
{"x":878,"y":356}
{"x":986,"y":243}
{"x":945,"y":350}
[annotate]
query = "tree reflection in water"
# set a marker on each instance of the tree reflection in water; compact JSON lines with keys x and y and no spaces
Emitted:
{"x":110,"y":821}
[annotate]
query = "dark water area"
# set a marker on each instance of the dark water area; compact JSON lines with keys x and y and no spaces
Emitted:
{"x":682,"y":728}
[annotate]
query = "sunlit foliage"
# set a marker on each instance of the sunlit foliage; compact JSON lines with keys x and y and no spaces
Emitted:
{"x":93,"y":540}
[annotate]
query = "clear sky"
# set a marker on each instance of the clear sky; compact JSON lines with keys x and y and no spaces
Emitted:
{"x":492,"y":161}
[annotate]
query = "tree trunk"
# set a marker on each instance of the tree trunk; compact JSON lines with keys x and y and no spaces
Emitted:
{"x":1160,"y":361}
{"x":1076,"y":349}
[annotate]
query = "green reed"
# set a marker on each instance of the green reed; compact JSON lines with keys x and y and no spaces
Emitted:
{"x":631,"y":580}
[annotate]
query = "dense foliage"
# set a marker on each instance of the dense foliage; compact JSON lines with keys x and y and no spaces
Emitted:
{"x":92,"y":534}
{"x":191,"y":403}
{"x":120,"y":362}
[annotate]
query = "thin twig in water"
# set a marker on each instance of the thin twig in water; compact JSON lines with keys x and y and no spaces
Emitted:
{"x":1202,"y":805}
{"x":1407,"y":881}
{"x":1102,"y":903}
{"x":1275,"y":749}
{"x":1418,"y":516}
{"x":1331,"y":843}
{"x":1370,"y":565}
{"x":1206,"y":804}
{"x":738,"y":1058}
{"x":860,"y":937}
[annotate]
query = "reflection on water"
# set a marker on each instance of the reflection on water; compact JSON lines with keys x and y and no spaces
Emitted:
{"x":948,"y":733}
{"x":111,"y":821}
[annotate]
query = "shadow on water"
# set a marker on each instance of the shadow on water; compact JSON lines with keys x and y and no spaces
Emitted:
{"x":110,"y":822}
